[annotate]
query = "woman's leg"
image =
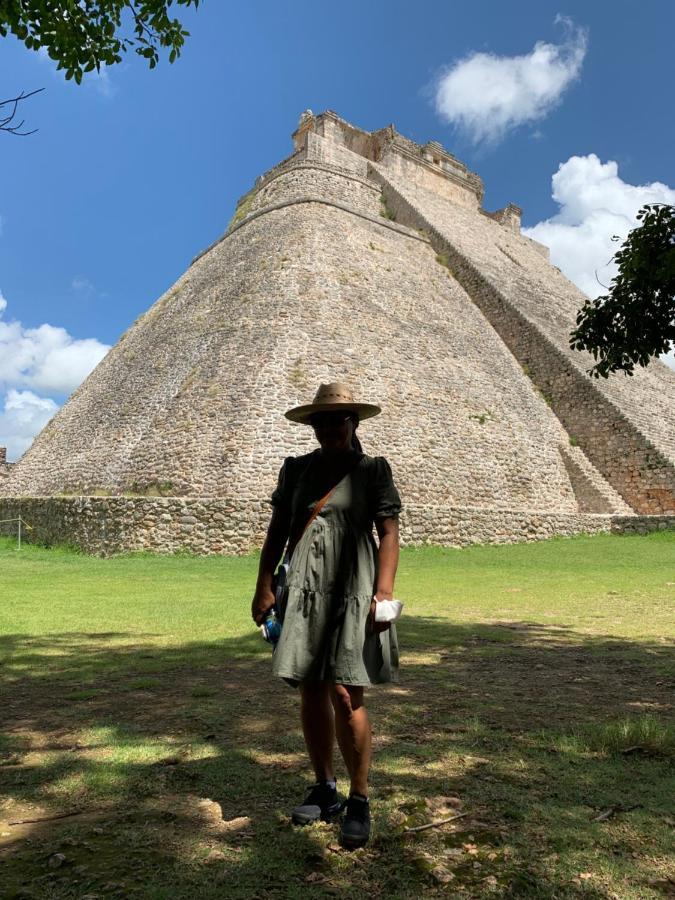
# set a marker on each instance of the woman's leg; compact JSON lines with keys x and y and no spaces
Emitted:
{"x":353,"y":734}
{"x":318,"y":726}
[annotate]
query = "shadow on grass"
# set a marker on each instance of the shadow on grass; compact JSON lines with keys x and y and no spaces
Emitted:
{"x":139,"y":740}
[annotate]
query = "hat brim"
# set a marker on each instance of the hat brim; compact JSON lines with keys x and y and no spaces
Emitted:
{"x":301,"y":414}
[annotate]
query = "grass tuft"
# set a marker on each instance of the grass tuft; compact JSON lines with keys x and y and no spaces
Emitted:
{"x":243,"y":208}
{"x":637,"y":734}
{"x":386,"y":211}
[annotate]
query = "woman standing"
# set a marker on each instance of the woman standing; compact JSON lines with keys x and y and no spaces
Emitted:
{"x":330,"y":645}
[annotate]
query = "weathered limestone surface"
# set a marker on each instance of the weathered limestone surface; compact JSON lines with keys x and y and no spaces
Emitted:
{"x":446,"y":316}
{"x":5,"y":467}
{"x":626,"y":426}
{"x":307,"y":179}
{"x":211,"y":525}
{"x":460,"y":425}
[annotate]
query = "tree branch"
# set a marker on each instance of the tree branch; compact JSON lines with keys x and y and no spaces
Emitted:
{"x":13,"y":103}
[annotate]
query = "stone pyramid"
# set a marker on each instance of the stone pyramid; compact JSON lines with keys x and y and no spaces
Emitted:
{"x":364,"y":258}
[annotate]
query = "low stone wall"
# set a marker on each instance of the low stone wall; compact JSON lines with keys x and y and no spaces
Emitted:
{"x":108,"y":525}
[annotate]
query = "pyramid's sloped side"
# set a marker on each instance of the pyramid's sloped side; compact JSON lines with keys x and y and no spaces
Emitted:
{"x":343,"y":297}
{"x":542,"y":293}
{"x":191,"y":400}
{"x":134,"y":423}
{"x":625,"y":425}
{"x":87,"y":444}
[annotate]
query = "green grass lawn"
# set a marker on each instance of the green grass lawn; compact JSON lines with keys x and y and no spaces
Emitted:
{"x":536,"y":699}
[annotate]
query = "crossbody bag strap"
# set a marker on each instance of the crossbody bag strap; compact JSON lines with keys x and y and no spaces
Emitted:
{"x":315,"y":512}
{"x":280,"y":575}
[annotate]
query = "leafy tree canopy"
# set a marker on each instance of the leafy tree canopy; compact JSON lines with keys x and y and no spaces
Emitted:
{"x":82,"y":35}
{"x":636,"y":320}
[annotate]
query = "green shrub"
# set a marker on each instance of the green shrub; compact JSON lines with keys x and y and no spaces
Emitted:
{"x":385,"y":211}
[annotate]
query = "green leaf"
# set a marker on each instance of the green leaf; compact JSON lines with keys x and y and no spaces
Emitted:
{"x":77,"y":32}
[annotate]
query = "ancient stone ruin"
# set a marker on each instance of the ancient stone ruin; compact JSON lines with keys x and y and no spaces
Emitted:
{"x":364,"y":258}
{"x":5,"y":467}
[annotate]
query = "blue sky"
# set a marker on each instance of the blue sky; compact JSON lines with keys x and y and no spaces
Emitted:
{"x":135,"y":171}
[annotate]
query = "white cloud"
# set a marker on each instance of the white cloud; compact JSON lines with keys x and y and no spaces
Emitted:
{"x":101,"y":81}
{"x":595,"y":204}
{"x":486,"y":95}
{"x":24,"y":415}
{"x":47,"y":359}
{"x":82,"y":283}
{"x":669,"y":359}
{"x":64,"y":363}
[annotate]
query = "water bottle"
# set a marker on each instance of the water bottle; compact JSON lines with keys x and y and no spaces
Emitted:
{"x":271,"y":627}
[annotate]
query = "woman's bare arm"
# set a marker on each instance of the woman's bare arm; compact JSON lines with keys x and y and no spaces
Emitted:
{"x":387,"y":560}
{"x":387,"y":563}
{"x":277,"y":535}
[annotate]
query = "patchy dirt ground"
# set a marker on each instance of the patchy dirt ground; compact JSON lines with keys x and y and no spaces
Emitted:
{"x":168,"y":775}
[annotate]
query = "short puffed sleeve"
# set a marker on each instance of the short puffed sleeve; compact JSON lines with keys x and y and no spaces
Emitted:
{"x":282,"y":494}
{"x":384,"y":500}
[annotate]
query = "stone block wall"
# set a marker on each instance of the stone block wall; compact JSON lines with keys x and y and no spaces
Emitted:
{"x":210,"y":525}
{"x":320,"y":180}
{"x":509,"y":217}
{"x":432,"y":178}
{"x":320,"y":149}
{"x":5,"y":467}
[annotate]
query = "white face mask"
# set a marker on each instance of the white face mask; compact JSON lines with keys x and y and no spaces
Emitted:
{"x":388,"y":610}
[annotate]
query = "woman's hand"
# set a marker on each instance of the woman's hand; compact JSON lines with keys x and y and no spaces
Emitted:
{"x":377,"y":627}
{"x":263,"y":600}
{"x":387,"y":561}
{"x":277,"y":535}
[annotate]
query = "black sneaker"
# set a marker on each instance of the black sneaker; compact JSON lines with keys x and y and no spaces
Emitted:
{"x":356,"y":823}
{"x":321,"y":802}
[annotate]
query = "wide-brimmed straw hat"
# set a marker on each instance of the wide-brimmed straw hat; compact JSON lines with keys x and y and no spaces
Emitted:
{"x":330,"y":398}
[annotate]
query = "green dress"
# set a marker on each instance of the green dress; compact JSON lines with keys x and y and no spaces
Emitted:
{"x":333,"y":575}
